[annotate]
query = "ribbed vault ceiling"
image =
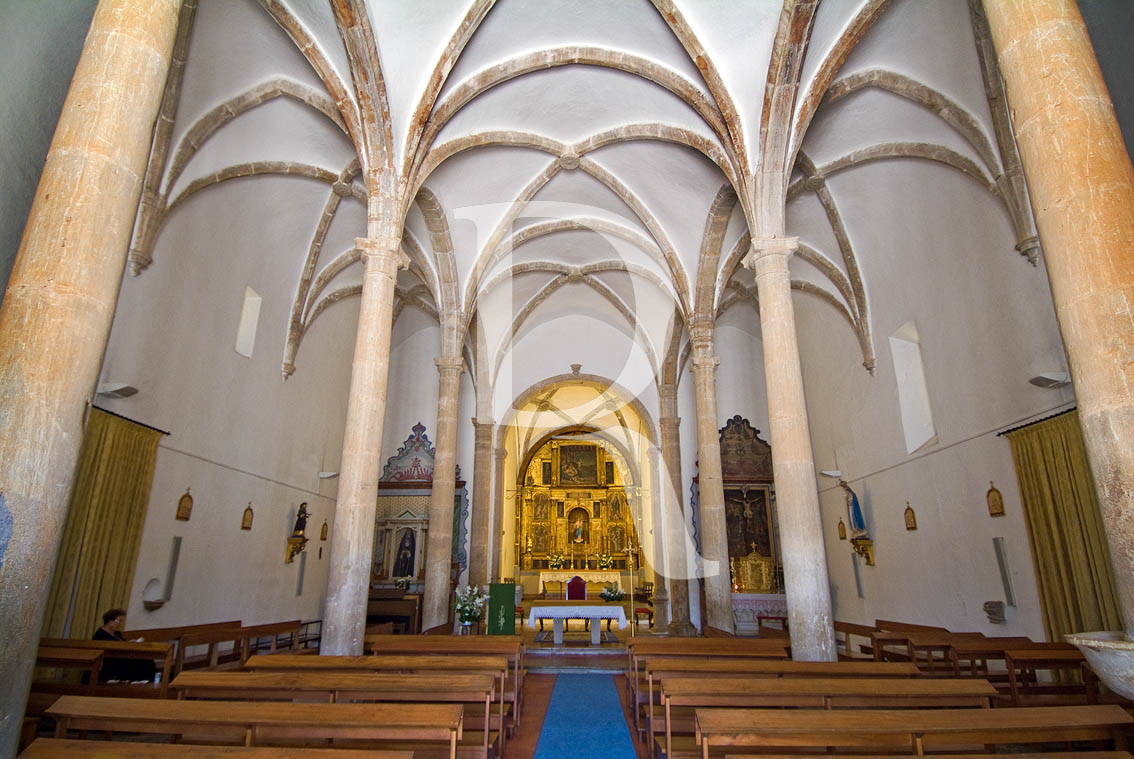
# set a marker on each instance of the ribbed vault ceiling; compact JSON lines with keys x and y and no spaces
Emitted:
{"x":556,"y":157}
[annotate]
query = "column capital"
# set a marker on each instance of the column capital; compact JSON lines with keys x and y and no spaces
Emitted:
{"x":500,"y":453}
{"x":701,"y":334}
{"x":449,"y":364}
{"x":764,"y":247}
{"x":378,"y":250}
{"x":483,"y":423}
{"x":705,"y":362}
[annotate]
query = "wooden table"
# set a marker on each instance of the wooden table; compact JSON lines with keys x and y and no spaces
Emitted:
{"x":255,"y":722}
{"x":62,"y":748}
{"x":87,"y":660}
{"x":593,"y":613}
{"x":818,"y":693}
{"x":908,"y":729}
{"x":346,"y":687}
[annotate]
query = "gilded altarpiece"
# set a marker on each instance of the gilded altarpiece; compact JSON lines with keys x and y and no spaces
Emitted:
{"x":746,"y":468}
{"x":574,"y":507}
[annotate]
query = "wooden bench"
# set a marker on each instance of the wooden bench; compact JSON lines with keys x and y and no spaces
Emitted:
{"x":497,"y":666}
{"x":970,"y":657}
{"x":851,"y":632}
{"x":1033,"y":755}
{"x":475,"y":690}
{"x":263,"y":722}
{"x":174,"y":635}
{"x":274,"y":636}
{"x":159,"y":653}
{"x":510,"y":646}
{"x":65,"y":748}
{"x":1023,"y":664}
{"x":929,"y":649}
{"x":657,"y":667}
{"x":680,"y":696}
{"x":737,"y":648}
{"x":910,"y":730}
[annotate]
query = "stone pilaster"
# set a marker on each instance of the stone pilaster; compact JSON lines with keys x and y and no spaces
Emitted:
{"x":657,"y":501}
{"x":797,"y":499}
{"x":1082,"y":189}
{"x":710,"y":484}
{"x":439,"y":554}
{"x":676,"y":560}
{"x":59,"y":305}
{"x":352,"y":540}
{"x":481,"y":502}
{"x":500,"y":454}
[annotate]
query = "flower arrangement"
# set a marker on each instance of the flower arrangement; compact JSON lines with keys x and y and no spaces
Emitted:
{"x":554,"y":561}
{"x":605,"y":561}
{"x":610,"y":592}
{"x":470,"y":604}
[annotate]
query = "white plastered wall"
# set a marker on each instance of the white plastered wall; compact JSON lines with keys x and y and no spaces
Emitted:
{"x":239,"y":433}
{"x":987,"y":325}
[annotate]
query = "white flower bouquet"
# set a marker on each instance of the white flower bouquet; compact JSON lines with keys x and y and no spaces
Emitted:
{"x":470,"y":604}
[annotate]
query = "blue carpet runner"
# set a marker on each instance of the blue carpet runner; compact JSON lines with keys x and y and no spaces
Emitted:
{"x":585,"y":720}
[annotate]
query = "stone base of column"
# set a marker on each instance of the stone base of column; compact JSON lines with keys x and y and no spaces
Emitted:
{"x":682,"y":628}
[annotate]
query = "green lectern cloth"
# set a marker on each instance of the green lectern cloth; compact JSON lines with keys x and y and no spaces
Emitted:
{"x":502,"y":608}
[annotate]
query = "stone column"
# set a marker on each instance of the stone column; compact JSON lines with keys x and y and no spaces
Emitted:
{"x":1082,"y":189}
{"x":59,"y":305}
{"x":657,"y":503}
{"x":714,"y":537}
{"x":439,"y":553}
{"x":500,"y":454}
{"x":797,"y":499}
{"x":676,"y":564}
{"x":352,"y":540}
{"x":481,"y":502}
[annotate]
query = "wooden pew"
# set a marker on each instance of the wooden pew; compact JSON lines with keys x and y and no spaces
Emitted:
{"x":262,"y":722}
{"x":87,"y":661}
{"x":680,"y":696}
{"x":928,"y":649}
{"x":422,"y":663}
{"x":657,"y":667}
{"x":1023,"y":664}
{"x":160,"y":653}
{"x":348,"y":687}
{"x":910,"y":730}
{"x":998,"y":755}
{"x":510,"y":646}
{"x":850,"y":632}
{"x":252,"y":637}
{"x":971,"y":657}
{"x":64,"y":748}
{"x":174,"y":635}
{"x":748,"y":648}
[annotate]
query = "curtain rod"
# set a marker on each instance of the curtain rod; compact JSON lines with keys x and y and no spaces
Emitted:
{"x":1037,"y":421}
{"x":132,"y":421}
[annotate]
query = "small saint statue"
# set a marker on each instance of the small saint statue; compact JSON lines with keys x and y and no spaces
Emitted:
{"x":300,"y":521}
{"x":855,"y":520}
{"x":577,"y":533}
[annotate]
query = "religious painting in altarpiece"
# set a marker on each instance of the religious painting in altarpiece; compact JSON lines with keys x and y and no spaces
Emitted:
{"x":749,"y":491}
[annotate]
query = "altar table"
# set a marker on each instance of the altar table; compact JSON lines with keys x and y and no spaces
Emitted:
{"x":595,"y":613}
{"x":589,"y":575}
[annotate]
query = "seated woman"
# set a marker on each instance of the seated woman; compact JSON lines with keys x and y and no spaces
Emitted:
{"x":115,"y":669}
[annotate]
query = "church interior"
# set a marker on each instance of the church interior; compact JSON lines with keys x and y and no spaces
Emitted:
{"x":770,"y":319}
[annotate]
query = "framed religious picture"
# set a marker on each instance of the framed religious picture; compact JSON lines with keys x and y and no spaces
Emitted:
{"x":911,"y":517}
{"x":246,"y":519}
{"x":995,"y":501}
{"x":578,"y":465}
{"x":184,"y":506}
{"x":546,"y":467}
{"x":842,"y":530}
{"x":323,"y":531}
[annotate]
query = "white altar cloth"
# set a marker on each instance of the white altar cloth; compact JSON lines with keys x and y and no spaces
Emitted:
{"x":588,"y":575}
{"x":593,"y":612}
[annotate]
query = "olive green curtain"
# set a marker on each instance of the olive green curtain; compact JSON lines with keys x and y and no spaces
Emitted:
{"x":95,"y":566}
{"x":1069,"y":548}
